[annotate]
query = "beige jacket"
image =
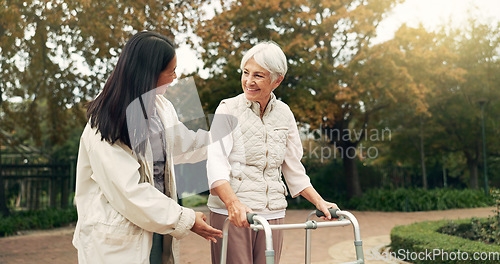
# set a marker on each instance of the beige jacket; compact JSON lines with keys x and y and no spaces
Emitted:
{"x":255,"y":153}
{"x":118,"y":206}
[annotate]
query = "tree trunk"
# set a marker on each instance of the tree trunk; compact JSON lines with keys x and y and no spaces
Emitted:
{"x":473,"y":171}
{"x":422,"y":155}
{"x":348,"y":152}
{"x":351,"y":172}
{"x":64,"y":190}
{"x":3,"y":202}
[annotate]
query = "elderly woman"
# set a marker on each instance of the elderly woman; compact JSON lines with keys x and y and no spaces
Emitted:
{"x":258,"y":141}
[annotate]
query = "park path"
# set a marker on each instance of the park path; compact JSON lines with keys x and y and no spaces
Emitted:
{"x":332,"y":245}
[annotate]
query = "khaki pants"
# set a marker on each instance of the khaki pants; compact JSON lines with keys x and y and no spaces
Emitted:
{"x":245,"y":246}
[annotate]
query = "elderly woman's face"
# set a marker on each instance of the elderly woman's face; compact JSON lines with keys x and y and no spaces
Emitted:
{"x":256,"y":82}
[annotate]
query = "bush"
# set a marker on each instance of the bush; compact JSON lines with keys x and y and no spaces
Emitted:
{"x":194,"y":200}
{"x":42,"y":219}
{"x":423,"y":238}
{"x":418,"y":199}
{"x":406,"y":200}
{"x":330,"y":181}
{"x":484,"y":230}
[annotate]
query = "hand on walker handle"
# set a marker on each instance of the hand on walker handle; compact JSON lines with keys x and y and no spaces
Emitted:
{"x":250,"y":218}
{"x":324,"y":207}
{"x":238,"y":213}
{"x":201,"y":228}
{"x":236,"y":210}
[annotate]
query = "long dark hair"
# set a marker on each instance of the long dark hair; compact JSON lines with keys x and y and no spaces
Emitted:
{"x":142,"y":60}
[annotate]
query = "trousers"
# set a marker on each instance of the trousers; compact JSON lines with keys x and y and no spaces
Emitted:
{"x":245,"y":246}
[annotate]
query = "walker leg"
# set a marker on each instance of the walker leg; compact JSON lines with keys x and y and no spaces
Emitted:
{"x":358,"y":244}
{"x":225,"y":231}
{"x":267,"y":231}
{"x":308,"y":246}
{"x":269,"y":238}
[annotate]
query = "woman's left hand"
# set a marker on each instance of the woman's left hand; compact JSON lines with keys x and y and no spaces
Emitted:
{"x":323,"y":206}
{"x":204,"y":230}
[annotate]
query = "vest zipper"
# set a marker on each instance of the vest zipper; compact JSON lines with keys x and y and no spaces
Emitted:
{"x":264,"y":171}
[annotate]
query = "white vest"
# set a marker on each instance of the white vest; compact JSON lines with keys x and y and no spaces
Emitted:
{"x":257,"y":154}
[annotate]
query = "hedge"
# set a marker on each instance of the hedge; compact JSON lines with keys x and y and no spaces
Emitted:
{"x":41,"y":219}
{"x":418,"y":199}
{"x":422,"y":243}
{"x":407,"y":199}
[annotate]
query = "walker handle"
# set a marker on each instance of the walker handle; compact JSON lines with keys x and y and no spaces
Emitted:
{"x":250,"y":218}
{"x":332,"y":211}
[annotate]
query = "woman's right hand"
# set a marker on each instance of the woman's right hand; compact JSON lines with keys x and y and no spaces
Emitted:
{"x":238,"y":213}
{"x":201,"y":228}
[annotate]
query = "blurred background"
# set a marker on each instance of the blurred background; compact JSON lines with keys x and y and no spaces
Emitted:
{"x":397,"y":101}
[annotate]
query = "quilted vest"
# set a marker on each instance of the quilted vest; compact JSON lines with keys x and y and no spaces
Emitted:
{"x":258,"y":151}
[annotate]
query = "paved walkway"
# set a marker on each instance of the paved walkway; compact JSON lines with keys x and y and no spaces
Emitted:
{"x":332,"y":245}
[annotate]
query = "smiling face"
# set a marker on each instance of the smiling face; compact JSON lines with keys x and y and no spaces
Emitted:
{"x":167,"y":76}
{"x":257,"y":84}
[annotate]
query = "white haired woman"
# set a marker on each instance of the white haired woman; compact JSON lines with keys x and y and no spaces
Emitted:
{"x":261,"y":143}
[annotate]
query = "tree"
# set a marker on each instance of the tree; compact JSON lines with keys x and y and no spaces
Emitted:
{"x":453,"y":69}
{"x":429,"y":66}
{"x":320,"y":39}
{"x":3,"y":203}
{"x":56,"y":55}
{"x":477,"y":48}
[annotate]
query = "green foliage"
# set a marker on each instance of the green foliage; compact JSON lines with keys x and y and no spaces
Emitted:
{"x":424,"y":237}
{"x":456,"y":69}
{"x":325,"y":85}
{"x":56,"y":55}
{"x":495,"y":194}
{"x":329,"y":178}
{"x":67,"y":152}
{"x":418,"y":199}
{"x":485,"y":230}
{"x":406,"y":200}
{"x":194,"y":200}
{"x":43,"y":219}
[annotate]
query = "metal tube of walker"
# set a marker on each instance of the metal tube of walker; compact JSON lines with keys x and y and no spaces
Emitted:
{"x":262,"y":224}
{"x":251,"y":219}
{"x":308,"y":232}
{"x":225,"y":231}
{"x":358,"y":244}
{"x":308,"y":242}
{"x":269,"y":238}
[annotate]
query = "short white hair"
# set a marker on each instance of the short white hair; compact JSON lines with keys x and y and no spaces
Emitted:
{"x":269,"y":56}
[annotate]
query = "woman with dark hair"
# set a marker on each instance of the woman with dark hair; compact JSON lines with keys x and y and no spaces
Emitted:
{"x":125,"y":184}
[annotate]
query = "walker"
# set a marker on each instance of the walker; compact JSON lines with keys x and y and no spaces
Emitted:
{"x":260,"y":223}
